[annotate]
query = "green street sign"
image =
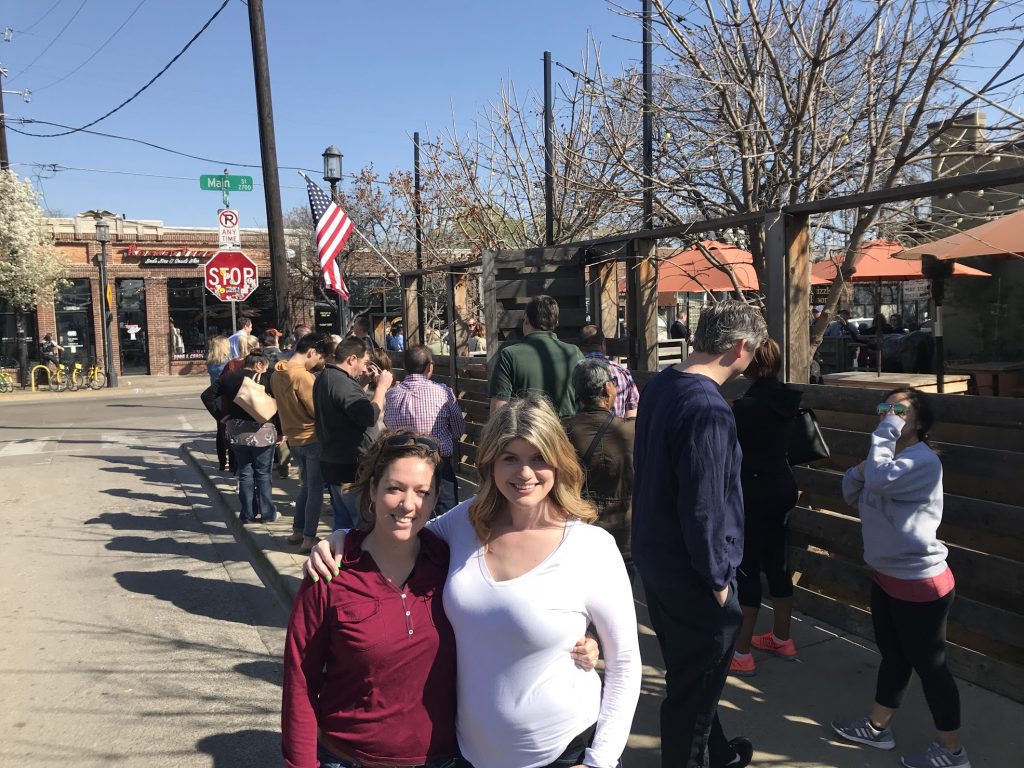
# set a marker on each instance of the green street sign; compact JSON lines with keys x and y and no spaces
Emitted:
{"x":221,"y":183}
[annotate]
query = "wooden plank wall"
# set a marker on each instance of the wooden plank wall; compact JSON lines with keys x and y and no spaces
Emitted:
{"x":981,"y":443}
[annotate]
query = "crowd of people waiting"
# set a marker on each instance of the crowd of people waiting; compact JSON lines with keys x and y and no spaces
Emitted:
{"x":436,"y":633}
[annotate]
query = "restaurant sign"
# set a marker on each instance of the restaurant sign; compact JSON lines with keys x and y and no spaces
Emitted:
{"x":182,"y":257}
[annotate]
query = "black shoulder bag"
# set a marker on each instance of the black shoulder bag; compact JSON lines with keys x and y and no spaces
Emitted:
{"x":806,"y":443}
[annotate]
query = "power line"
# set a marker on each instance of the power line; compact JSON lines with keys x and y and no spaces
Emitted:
{"x":97,"y":51}
{"x":55,"y":168}
{"x":52,"y":42}
{"x":24,"y":120}
{"x":155,"y":77}
{"x":36,"y":23}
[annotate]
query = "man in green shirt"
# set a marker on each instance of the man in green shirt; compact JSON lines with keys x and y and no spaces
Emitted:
{"x":540,"y":364}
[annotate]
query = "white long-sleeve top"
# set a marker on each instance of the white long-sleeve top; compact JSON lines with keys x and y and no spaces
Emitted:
{"x":899,"y":496}
{"x":521,"y":698}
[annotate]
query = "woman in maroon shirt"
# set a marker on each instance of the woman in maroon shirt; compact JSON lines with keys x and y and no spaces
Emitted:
{"x":369,"y":677}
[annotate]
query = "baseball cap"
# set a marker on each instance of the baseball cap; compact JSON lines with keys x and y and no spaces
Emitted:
{"x":819,"y":307}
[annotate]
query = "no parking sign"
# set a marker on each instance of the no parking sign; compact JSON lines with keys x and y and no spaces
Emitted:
{"x":228,"y":229}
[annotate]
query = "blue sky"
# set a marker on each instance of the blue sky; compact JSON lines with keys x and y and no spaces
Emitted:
{"x":360,"y":75}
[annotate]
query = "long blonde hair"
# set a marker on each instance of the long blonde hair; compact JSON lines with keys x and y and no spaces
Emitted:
{"x":219,"y":352}
{"x":534,"y":420}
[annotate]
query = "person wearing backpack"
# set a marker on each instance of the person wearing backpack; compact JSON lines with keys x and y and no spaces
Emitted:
{"x":604,"y":443}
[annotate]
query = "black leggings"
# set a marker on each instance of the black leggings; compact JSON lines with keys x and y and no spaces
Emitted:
{"x":912,"y":637}
{"x":765,"y":548}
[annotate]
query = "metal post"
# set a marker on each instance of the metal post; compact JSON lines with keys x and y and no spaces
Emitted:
{"x":549,"y":155}
{"x":234,"y":321}
{"x":268,"y":156}
{"x":108,"y":350}
{"x":421,"y":316}
{"x":648,"y":120}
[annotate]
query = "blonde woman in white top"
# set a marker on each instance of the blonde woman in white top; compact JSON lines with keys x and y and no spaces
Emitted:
{"x":528,"y":573}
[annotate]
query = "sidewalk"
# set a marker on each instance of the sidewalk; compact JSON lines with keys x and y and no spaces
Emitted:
{"x":127,"y":385}
{"x":784,"y":710}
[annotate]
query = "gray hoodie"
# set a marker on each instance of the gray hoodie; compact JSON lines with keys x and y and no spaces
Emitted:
{"x":900,"y":503}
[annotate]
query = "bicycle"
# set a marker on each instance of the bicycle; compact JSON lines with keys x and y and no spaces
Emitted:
{"x":76,"y":379}
{"x":6,"y":380}
{"x":60,"y":381}
{"x":95,"y":378}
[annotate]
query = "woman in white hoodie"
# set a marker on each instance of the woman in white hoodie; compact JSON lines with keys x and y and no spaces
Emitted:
{"x":898,"y":490}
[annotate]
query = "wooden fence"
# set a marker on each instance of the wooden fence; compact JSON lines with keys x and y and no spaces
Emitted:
{"x":981,"y":443}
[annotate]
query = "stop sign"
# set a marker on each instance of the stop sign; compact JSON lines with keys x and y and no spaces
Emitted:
{"x":231,"y":276}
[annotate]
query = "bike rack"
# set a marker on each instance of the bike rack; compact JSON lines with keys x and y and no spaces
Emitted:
{"x":32,"y":377}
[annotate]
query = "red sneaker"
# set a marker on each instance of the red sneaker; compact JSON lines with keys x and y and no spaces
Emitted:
{"x":742,"y":666}
{"x":768,"y":642}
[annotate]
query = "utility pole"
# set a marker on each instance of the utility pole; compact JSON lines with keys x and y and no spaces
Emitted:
{"x":549,"y":156}
{"x":268,"y":156}
{"x":648,"y":115}
{"x":421,"y":319}
{"x":5,"y":161}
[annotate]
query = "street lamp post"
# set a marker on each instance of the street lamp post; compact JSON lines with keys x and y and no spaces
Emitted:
{"x":103,"y":237}
{"x":332,"y":175}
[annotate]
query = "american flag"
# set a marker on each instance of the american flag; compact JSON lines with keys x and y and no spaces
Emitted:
{"x":333,"y":228}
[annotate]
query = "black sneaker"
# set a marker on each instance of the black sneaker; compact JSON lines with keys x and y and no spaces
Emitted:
{"x":744,"y":752}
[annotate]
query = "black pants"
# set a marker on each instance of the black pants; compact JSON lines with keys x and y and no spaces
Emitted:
{"x":912,"y":637}
{"x":765,"y":548}
{"x":697,"y":638}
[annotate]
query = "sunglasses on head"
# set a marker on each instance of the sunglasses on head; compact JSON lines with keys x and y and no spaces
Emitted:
{"x":882,"y":409}
{"x":400,"y":441}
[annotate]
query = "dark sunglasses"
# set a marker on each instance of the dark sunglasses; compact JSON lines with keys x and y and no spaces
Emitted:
{"x":899,"y":409}
{"x":401,"y":441}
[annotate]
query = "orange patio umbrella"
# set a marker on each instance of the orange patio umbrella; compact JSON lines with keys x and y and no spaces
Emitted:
{"x":876,"y":262}
{"x":1003,"y":237}
{"x":689,"y":271}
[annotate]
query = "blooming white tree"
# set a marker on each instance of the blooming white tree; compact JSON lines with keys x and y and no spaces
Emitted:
{"x":30,"y":266}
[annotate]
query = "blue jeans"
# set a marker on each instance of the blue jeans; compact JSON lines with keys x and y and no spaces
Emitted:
{"x":345,"y":507}
{"x":310,"y":499}
{"x":254,"y":480}
{"x":327,"y":760}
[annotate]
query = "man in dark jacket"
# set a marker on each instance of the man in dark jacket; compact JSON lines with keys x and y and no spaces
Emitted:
{"x":688,"y":531}
{"x":604,"y":443}
{"x":343,"y":410}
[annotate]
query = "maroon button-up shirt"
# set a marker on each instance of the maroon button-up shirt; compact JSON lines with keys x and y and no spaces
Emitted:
{"x":371,"y":665}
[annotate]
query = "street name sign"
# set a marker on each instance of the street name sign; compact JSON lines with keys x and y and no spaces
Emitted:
{"x":231,"y":276}
{"x":221,"y":183}
{"x":228,"y":231}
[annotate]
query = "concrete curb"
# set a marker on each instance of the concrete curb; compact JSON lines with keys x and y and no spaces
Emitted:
{"x":278,"y":562}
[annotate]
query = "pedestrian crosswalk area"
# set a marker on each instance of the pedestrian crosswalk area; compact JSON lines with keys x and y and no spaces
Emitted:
{"x":71,"y":443}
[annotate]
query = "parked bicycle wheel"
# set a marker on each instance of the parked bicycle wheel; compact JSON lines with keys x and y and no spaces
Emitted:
{"x":6,"y":384}
{"x":98,"y":380}
{"x":77,"y":380}
{"x":59,"y":381}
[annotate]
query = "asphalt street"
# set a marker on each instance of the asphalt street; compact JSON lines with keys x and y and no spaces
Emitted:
{"x":135,"y":631}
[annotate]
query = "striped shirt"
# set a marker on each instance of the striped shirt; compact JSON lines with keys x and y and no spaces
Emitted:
{"x":627,"y":396}
{"x":426,"y":406}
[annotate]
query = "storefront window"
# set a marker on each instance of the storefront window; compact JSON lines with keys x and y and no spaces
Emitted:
{"x":259,"y":308}
{"x":186,"y":305}
{"x":9,"y":334}
{"x":73,"y":308}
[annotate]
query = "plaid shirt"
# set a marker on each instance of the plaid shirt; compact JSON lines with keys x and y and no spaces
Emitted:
{"x":627,"y":395}
{"x":426,"y":406}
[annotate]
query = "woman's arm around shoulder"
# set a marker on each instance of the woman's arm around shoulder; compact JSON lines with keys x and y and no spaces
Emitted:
{"x":610,"y":605}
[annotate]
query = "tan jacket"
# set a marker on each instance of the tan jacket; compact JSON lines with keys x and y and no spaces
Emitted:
{"x":292,"y":385}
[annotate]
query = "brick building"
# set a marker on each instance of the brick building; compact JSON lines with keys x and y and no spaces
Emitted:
{"x":155,"y":278}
